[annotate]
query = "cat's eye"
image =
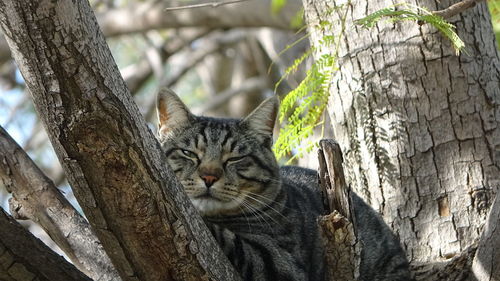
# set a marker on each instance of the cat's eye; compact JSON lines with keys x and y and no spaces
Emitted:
{"x":236,"y":159}
{"x":188,"y":153}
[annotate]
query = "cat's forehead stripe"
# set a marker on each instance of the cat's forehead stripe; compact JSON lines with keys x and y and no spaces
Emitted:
{"x":226,"y":137}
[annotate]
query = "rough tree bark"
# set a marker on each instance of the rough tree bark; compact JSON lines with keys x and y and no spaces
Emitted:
{"x":419,"y":127}
{"x":114,"y":164}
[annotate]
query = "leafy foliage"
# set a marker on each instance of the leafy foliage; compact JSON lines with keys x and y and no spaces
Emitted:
{"x":407,"y":12}
{"x":494,"y":7}
{"x":303,"y":107}
{"x":313,"y":93}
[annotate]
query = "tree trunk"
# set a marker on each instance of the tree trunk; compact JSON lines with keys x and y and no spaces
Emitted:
{"x":419,"y":126}
{"x":115,"y":166}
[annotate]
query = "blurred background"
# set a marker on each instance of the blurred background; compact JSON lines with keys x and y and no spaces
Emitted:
{"x":222,"y":60}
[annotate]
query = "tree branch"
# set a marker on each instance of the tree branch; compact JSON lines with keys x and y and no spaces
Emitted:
{"x":146,"y":16}
{"x":35,"y":197}
{"x":23,"y":257}
{"x":208,"y":45}
{"x":456,"y":8}
{"x":115,"y":166}
{"x":135,"y":75}
{"x":203,"y":5}
{"x":485,"y":266}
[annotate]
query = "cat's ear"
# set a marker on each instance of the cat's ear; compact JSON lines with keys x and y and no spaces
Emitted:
{"x":172,"y":112}
{"x":262,"y":119}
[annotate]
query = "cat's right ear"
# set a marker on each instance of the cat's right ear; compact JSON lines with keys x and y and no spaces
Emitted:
{"x":172,"y":112}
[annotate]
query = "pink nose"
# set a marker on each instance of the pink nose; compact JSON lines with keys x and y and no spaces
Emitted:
{"x":209,"y":179}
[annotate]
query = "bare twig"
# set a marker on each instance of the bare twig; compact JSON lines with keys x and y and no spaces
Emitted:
{"x":202,"y":5}
{"x":456,"y":8}
{"x":137,"y":74}
{"x":211,"y":45}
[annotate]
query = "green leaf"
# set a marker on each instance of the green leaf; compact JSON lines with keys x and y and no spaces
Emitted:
{"x":277,"y":5}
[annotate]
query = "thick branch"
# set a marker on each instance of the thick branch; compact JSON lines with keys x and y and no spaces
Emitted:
{"x":23,"y":257}
{"x":35,"y":197}
{"x":133,"y":201}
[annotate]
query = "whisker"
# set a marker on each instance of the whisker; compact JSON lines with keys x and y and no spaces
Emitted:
{"x":264,"y":204}
{"x":258,"y":214}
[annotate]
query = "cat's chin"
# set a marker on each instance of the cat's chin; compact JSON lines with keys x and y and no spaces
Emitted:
{"x":210,"y":206}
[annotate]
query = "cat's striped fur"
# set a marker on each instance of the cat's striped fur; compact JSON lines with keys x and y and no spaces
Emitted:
{"x":263,"y":217}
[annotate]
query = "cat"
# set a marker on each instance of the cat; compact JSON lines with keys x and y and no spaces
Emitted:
{"x":264,"y":217}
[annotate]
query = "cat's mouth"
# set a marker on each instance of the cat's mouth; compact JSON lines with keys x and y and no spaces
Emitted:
{"x":207,"y":195}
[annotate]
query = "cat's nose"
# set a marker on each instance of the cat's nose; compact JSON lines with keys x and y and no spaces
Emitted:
{"x":209,"y":174}
{"x":209,"y":180}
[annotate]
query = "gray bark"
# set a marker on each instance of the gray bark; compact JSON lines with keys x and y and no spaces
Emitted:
{"x":114,"y":164}
{"x":419,"y":126}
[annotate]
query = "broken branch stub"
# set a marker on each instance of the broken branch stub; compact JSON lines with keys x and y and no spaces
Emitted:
{"x":342,"y":252}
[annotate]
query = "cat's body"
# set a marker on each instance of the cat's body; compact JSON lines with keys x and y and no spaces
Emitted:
{"x":263,"y":217}
{"x":281,"y":242}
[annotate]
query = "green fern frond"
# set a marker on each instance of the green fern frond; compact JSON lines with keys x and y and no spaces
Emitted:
{"x":304,"y":106}
{"x":295,"y":65}
{"x":414,"y":13}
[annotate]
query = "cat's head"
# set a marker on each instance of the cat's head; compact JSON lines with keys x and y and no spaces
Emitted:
{"x":226,"y":165}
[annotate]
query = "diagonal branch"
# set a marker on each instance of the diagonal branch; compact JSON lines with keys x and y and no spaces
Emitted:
{"x":137,"y":74}
{"x":456,"y":8}
{"x":35,"y":197}
{"x":210,"y":45}
{"x":23,"y":257}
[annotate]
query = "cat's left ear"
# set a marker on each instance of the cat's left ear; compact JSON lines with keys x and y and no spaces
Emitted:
{"x":262,"y":119}
{"x":172,"y":112}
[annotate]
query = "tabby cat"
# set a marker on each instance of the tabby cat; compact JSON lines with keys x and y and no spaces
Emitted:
{"x":262,"y":216}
